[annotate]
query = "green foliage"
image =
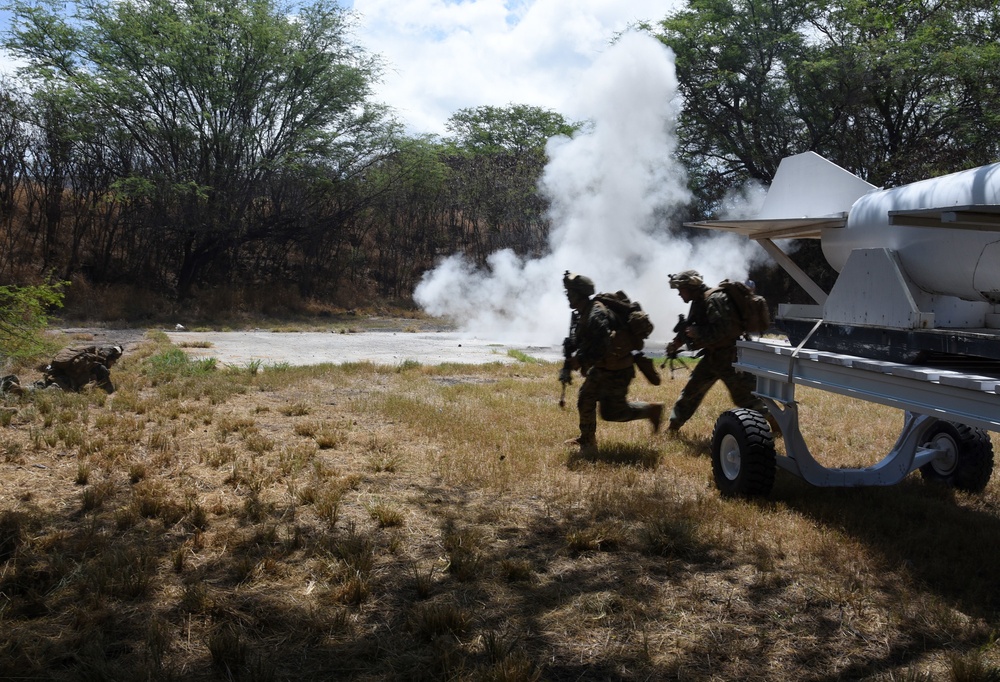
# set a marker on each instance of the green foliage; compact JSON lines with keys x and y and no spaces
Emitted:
{"x":906,"y":83}
{"x":173,"y":363}
{"x":521,"y":356}
{"x":214,"y":143}
{"x":209,"y":108}
{"x":514,"y":129}
{"x":738,"y":110}
{"x":892,"y":92}
{"x":253,"y":367}
{"x":23,"y":316}
{"x":198,"y":78}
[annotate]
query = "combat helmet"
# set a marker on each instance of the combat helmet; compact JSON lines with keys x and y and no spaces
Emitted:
{"x":689,"y":278}
{"x":579,"y":284}
{"x":110,"y":354}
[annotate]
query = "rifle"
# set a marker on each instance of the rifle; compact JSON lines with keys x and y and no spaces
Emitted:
{"x":569,"y":347}
{"x":680,"y":339}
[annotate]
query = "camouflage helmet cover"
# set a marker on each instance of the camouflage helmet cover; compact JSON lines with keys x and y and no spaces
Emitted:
{"x":110,"y":353}
{"x":578,"y":283}
{"x":688,"y":278}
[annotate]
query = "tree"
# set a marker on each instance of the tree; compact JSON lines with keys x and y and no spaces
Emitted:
{"x":899,"y":92}
{"x":892,"y":92}
{"x":14,"y":143}
{"x":516,"y":129}
{"x":498,"y":157}
{"x":738,"y":119}
{"x":409,"y":220}
{"x":221,"y":97}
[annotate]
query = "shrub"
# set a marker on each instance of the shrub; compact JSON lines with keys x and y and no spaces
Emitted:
{"x":23,"y":317}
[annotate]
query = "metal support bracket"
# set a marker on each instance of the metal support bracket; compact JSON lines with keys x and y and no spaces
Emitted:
{"x":905,"y":457}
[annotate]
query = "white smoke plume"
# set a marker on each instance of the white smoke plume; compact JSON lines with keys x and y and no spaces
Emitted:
{"x":745,"y":203}
{"x":613,"y":189}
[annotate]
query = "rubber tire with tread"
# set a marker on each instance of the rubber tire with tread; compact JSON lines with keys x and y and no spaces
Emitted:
{"x":743,"y":459}
{"x":969,"y":463}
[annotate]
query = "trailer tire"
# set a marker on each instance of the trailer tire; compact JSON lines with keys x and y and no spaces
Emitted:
{"x":743,"y":459}
{"x":967,"y":462}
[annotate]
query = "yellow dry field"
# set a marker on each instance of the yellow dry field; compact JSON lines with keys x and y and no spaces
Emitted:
{"x":427,"y":523}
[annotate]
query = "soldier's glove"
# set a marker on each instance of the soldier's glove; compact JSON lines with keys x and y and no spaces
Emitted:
{"x":645,"y":366}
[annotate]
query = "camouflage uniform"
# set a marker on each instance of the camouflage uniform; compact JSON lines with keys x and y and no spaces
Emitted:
{"x":73,"y":368}
{"x":714,"y":329}
{"x":607,"y":369}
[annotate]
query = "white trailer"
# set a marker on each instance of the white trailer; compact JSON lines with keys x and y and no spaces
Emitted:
{"x":948,"y":414}
{"x":913,"y":322}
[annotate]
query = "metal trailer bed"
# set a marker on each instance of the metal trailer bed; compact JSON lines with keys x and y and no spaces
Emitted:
{"x":948,"y":414}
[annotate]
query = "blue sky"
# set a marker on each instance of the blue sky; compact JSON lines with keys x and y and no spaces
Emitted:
{"x":444,"y":55}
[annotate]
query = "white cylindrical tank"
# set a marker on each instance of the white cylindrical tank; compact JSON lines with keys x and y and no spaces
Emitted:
{"x":940,"y":260}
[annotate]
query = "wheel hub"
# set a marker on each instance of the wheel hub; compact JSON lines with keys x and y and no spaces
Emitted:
{"x":729,"y":457}
{"x":947,"y":458}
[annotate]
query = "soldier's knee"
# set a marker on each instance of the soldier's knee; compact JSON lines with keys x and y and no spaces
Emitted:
{"x":615,"y":412}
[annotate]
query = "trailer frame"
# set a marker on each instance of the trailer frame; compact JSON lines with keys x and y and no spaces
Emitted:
{"x":947,"y":414}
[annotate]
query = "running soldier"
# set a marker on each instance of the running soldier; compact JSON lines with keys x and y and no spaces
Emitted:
{"x":713,"y":327}
{"x":606,"y":366}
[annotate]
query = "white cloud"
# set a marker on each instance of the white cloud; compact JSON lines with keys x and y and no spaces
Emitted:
{"x":444,"y":55}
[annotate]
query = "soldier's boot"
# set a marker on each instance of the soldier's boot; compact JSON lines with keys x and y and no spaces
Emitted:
{"x":675,"y":423}
{"x":654,"y":413}
{"x":587,"y":444}
{"x":102,"y":378}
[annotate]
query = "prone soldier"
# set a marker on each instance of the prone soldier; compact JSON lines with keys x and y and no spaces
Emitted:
{"x":72,"y":368}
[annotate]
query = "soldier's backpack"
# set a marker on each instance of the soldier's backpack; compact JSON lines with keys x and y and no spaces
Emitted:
{"x":755,"y":317}
{"x":632,"y":327}
{"x":75,"y":366}
{"x":629,"y":316}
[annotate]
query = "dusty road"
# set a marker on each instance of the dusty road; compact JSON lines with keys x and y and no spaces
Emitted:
{"x":385,"y":347}
{"x":380,"y":347}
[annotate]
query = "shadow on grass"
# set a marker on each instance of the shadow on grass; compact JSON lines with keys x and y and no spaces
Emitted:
{"x":518,"y":577}
{"x":619,"y":454}
{"x":930,"y":531}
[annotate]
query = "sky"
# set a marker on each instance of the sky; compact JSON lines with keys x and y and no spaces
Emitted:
{"x":443,"y":55}
{"x":611,"y":188}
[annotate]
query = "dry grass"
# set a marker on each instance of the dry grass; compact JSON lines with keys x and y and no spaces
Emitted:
{"x":426,"y":523}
